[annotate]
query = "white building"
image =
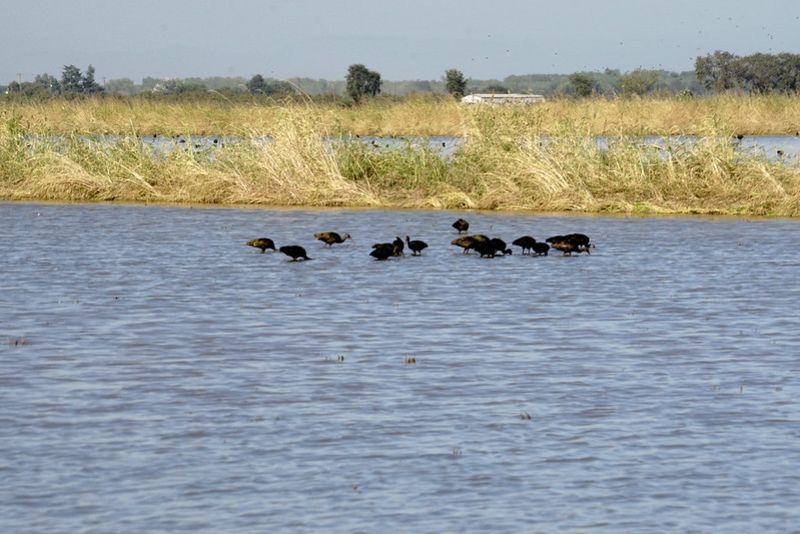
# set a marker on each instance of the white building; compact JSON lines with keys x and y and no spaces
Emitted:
{"x":502,"y":99}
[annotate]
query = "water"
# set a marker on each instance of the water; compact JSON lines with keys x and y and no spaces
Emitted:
{"x":158,"y":375}
{"x":773,"y":147}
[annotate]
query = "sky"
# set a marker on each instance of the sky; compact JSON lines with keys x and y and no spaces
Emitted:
{"x":401,"y":39}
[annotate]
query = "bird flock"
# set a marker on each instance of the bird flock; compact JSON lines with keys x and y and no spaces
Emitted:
{"x":485,"y":246}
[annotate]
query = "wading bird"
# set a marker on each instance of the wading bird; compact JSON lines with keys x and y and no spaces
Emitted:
{"x":263,"y":243}
{"x":295,"y":252}
{"x":500,"y":246}
{"x":416,"y":247}
{"x":468,"y":242}
{"x":461,"y":225}
{"x":331,"y":238}
{"x":526,"y":242}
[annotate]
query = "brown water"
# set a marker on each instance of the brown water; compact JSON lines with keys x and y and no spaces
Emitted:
{"x":156,"y":374}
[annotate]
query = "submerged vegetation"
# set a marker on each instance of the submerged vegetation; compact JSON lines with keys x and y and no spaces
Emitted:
{"x":539,"y":157}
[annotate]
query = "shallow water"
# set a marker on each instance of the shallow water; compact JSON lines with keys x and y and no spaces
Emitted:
{"x":773,"y":147}
{"x":156,"y":374}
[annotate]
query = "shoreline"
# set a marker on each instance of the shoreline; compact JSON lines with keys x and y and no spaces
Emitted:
{"x":454,"y":211}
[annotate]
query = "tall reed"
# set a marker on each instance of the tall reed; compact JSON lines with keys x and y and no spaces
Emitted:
{"x":505,"y":162}
{"x":414,"y":116}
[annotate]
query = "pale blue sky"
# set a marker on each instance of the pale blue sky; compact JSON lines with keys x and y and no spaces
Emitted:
{"x":402,"y":39}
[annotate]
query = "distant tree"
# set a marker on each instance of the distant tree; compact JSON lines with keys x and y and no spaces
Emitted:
{"x":71,"y":79}
{"x":718,"y":71}
{"x":149,"y":83}
{"x":48,"y":82}
{"x":88,"y":85}
{"x":638,"y":82}
{"x":455,"y":82}
{"x":257,"y":84}
{"x":14,"y":87}
{"x":582,"y":84}
{"x":362,"y":82}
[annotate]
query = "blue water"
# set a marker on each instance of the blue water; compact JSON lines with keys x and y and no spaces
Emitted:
{"x":157,"y":375}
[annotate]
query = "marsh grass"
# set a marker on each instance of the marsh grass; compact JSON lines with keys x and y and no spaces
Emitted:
{"x":505,"y":162}
{"x":413,"y":116}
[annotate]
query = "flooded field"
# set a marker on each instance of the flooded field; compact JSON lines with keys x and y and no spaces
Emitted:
{"x":156,"y":374}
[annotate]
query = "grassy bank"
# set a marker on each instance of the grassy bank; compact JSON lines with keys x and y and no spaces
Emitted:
{"x":773,"y":114}
{"x":502,"y":164}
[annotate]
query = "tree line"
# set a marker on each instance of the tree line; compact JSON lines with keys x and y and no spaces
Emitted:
{"x":757,"y":73}
{"x":714,"y":73}
{"x":72,"y":81}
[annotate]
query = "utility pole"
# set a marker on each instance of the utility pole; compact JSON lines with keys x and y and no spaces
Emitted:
{"x":19,"y":78}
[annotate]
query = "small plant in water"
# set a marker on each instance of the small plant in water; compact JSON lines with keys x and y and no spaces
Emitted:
{"x":411,"y":360}
{"x":456,"y":452}
{"x":525,"y":416}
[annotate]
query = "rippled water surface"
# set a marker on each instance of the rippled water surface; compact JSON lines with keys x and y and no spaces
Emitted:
{"x":156,"y":374}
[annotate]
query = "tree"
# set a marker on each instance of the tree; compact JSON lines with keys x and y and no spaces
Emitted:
{"x":455,"y":83}
{"x":582,"y":84}
{"x":638,"y":82}
{"x":717,"y":71}
{"x":48,"y":82}
{"x":88,"y":85}
{"x":71,"y":79}
{"x":362,"y":82}
{"x":257,"y":84}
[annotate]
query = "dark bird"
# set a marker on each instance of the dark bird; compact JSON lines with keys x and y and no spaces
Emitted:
{"x":416,"y":247}
{"x":383,"y":251}
{"x":560,"y":242}
{"x":331,"y":238}
{"x":395,"y":247}
{"x":526,"y":242}
{"x":569,"y":243}
{"x":295,"y":252}
{"x":399,"y":246}
{"x":486,"y":249}
{"x":468,"y":242}
{"x":461,"y":225}
{"x":540,"y":248}
{"x":500,"y":246}
{"x":263,"y":243}
{"x":582,"y":240}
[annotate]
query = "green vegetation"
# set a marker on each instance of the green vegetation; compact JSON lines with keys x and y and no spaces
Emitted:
{"x":455,"y":83}
{"x":362,"y":82}
{"x":756,"y":73}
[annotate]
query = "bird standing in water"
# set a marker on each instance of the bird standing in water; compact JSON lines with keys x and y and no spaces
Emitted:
{"x":461,"y":225}
{"x":263,"y":243}
{"x":416,"y":246}
{"x":295,"y":252}
{"x":331,"y":238}
{"x":526,"y":242}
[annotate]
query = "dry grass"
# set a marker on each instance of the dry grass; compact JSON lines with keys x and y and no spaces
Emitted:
{"x":423,"y":116}
{"x":506,"y":162}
